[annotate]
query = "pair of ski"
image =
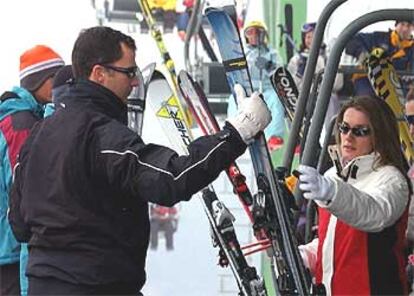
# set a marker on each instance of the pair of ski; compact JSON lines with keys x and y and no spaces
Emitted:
{"x":174,"y":118}
{"x":164,"y":103}
{"x":273,"y":200}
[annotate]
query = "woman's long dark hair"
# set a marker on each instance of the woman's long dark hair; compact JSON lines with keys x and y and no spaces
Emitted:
{"x":385,"y":132}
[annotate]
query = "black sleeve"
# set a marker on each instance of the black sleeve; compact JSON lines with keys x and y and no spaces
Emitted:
{"x":20,"y":229}
{"x":365,"y":42}
{"x":158,"y":174}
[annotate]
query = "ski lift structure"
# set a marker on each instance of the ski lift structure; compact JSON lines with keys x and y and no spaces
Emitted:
{"x":129,"y":12}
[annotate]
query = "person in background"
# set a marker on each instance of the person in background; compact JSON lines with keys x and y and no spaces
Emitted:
{"x":297,"y":64}
{"x":20,"y":108}
{"x":62,"y":80}
{"x":398,"y":45}
{"x":84,"y":179}
{"x":163,"y":219}
{"x":183,"y":18}
{"x":363,"y":207}
{"x":262,"y":60}
{"x":163,"y":11}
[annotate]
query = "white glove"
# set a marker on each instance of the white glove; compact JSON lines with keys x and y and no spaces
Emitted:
{"x":252,"y":116}
{"x":314,"y":185}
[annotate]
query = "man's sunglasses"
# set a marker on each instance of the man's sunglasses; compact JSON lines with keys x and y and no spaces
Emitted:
{"x":131,"y":72}
{"x":360,"y":131}
{"x":410,"y":119}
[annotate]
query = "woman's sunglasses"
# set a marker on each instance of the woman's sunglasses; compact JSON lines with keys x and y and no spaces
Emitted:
{"x":360,"y":131}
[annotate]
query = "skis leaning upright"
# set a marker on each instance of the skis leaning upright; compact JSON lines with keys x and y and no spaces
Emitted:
{"x":198,"y":105}
{"x":286,"y":90}
{"x":386,"y":84}
{"x":163,"y":102}
{"x":165,"y":55}
{"x":290,"y":274}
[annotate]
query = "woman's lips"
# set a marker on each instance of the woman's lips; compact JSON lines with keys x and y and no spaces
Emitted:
{"x":348,"y":148}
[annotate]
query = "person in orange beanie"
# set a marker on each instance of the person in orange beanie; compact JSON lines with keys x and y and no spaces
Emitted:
{"x":20,"y":108}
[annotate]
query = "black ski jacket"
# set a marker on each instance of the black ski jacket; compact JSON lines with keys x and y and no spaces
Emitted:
{"x":83,"y":183}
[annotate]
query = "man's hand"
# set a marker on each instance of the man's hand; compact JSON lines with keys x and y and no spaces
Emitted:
{"x":253,"y":115}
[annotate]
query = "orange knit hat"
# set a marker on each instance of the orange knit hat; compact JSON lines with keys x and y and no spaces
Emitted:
{"x":37,"y":64}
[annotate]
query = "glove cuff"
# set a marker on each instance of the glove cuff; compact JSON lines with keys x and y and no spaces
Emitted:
{"x":246,"y":130}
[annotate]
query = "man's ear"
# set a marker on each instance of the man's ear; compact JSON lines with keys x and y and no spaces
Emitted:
{"x":98,"y":74}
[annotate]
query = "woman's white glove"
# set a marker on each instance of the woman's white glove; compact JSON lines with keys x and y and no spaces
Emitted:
{"x":252,"y":116}
{"x":314,"y":185}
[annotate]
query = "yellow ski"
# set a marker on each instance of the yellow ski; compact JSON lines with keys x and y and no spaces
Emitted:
{"x":387,"y":86}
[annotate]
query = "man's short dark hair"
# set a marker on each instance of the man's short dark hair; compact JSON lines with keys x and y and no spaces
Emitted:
{"x":98,"y":45}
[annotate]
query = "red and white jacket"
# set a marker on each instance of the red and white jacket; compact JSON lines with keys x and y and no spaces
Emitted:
{"x":360,"y":249}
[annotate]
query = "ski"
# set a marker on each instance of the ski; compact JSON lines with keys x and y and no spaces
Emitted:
{"x":136,"y":100}
{"x":288,"y":94}
{"x":198,"y":105}
{"x":163,"y":102}
{"x":285,"y":87}
{"x":289,"y":272}
{"x":165,"y":55}
{"x":387,"y":86}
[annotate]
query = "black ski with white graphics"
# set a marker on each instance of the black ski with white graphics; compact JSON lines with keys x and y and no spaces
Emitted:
{"x":163,"y":102}
{"x":289,"y":272}
{"x":286,"y":89}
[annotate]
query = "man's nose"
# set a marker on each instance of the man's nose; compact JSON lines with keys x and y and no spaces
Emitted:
{"x":135,"y":81}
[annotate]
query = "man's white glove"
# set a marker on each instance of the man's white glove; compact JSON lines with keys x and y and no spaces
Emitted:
{"x":252,"y":116}
{"x":314,"y":185}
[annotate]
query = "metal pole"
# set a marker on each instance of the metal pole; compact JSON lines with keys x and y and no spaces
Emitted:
{"x":307,"y":82}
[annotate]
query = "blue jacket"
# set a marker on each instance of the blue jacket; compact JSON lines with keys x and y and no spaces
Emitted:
{"x":17,"y":116}
{"x":277,"y":125}
{"x":252,"y":55}
{"x":401,"y":53}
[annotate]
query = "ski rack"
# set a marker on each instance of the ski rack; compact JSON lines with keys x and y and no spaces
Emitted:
{"x":311,"y":145}
{"x":307,"y":83}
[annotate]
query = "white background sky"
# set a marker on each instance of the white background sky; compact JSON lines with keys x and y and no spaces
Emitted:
{"x":24,"y":23}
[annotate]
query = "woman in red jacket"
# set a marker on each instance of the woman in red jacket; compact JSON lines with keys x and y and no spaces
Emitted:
{"x":362,"y":207}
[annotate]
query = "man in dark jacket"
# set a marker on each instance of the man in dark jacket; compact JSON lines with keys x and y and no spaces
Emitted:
{"x":83,"y":180}
{"x":397,"y":44}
